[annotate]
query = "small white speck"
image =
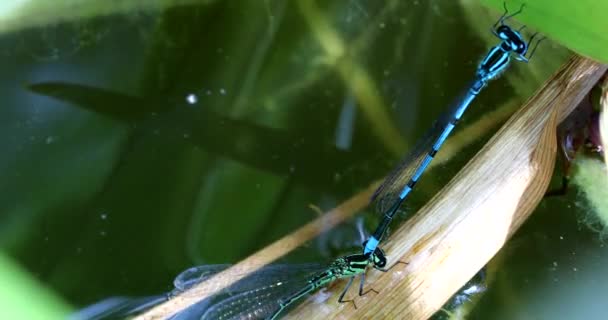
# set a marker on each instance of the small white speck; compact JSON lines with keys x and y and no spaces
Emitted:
{"x":186,"y":135}
{"x":382,"y":25}
{"x":555,"y":263}
{"x":103,"y":216}
{"x":574,"y":269}
{"x":102,"y":233}
{"x":561,"y":237}
{"x":223,"y":91}
{"x":50,"y":139}
{"x":191,"y":98}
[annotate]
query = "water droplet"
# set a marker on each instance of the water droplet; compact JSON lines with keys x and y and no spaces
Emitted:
{"x":191,"y":98}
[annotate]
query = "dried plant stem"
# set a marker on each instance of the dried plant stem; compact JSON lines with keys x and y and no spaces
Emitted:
{"x":452,"y":237}
{"x":468,"y":221}
{"x":330,"y":219}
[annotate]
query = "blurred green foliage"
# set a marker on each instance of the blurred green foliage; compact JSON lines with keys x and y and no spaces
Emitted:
{"x":202,"y":132}
{"x":25,"y":298}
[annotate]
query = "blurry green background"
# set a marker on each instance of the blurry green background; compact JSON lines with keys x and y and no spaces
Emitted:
{"x":143,"y":140}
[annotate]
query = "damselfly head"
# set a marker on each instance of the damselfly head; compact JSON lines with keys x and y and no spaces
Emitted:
{"x":513,"y":39}
{"x":378,"y":258}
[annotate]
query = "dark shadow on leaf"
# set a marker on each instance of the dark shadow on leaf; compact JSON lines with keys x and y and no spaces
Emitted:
{"x":116,"y":105}
{"x":274,"y":150}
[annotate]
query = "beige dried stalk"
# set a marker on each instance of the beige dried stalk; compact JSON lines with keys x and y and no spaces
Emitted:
{"x":454,"y":235}
{"x":471,"y":218}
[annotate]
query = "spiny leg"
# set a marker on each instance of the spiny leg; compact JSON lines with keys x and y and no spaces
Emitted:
{"x":341,"y":298}
{"x":361,"y":293}
{"x":536,"y":45}
{"x":506,"y":17}
{"x":500,"y":20}
{"x":395,"y":264}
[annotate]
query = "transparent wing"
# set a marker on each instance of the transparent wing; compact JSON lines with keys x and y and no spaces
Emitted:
{"x":255,"y":297}
{"x":195,"y":275}
{"x":258,"y":303}
{"x":116,"y":308}
{"x":263,"y":286}
{"x":271,"y":273}
{"x":388,"y":193}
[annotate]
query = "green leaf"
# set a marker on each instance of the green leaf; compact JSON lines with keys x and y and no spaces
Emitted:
{"x":24,"y":298}
{"x":578,"y":25}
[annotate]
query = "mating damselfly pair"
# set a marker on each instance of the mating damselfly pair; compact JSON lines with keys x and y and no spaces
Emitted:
{"x":267,"y":293}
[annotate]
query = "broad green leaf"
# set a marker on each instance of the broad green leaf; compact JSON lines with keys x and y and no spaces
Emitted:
{"x":578,"y":25}
{"x":25,"y":298}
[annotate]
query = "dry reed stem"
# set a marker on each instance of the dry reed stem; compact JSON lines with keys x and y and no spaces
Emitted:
{"x":457,"y":232}
{"x":311,"y":230}
{"x":438,"y":238}
{"x":469,"y":220}
{"x":261,"y":258}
